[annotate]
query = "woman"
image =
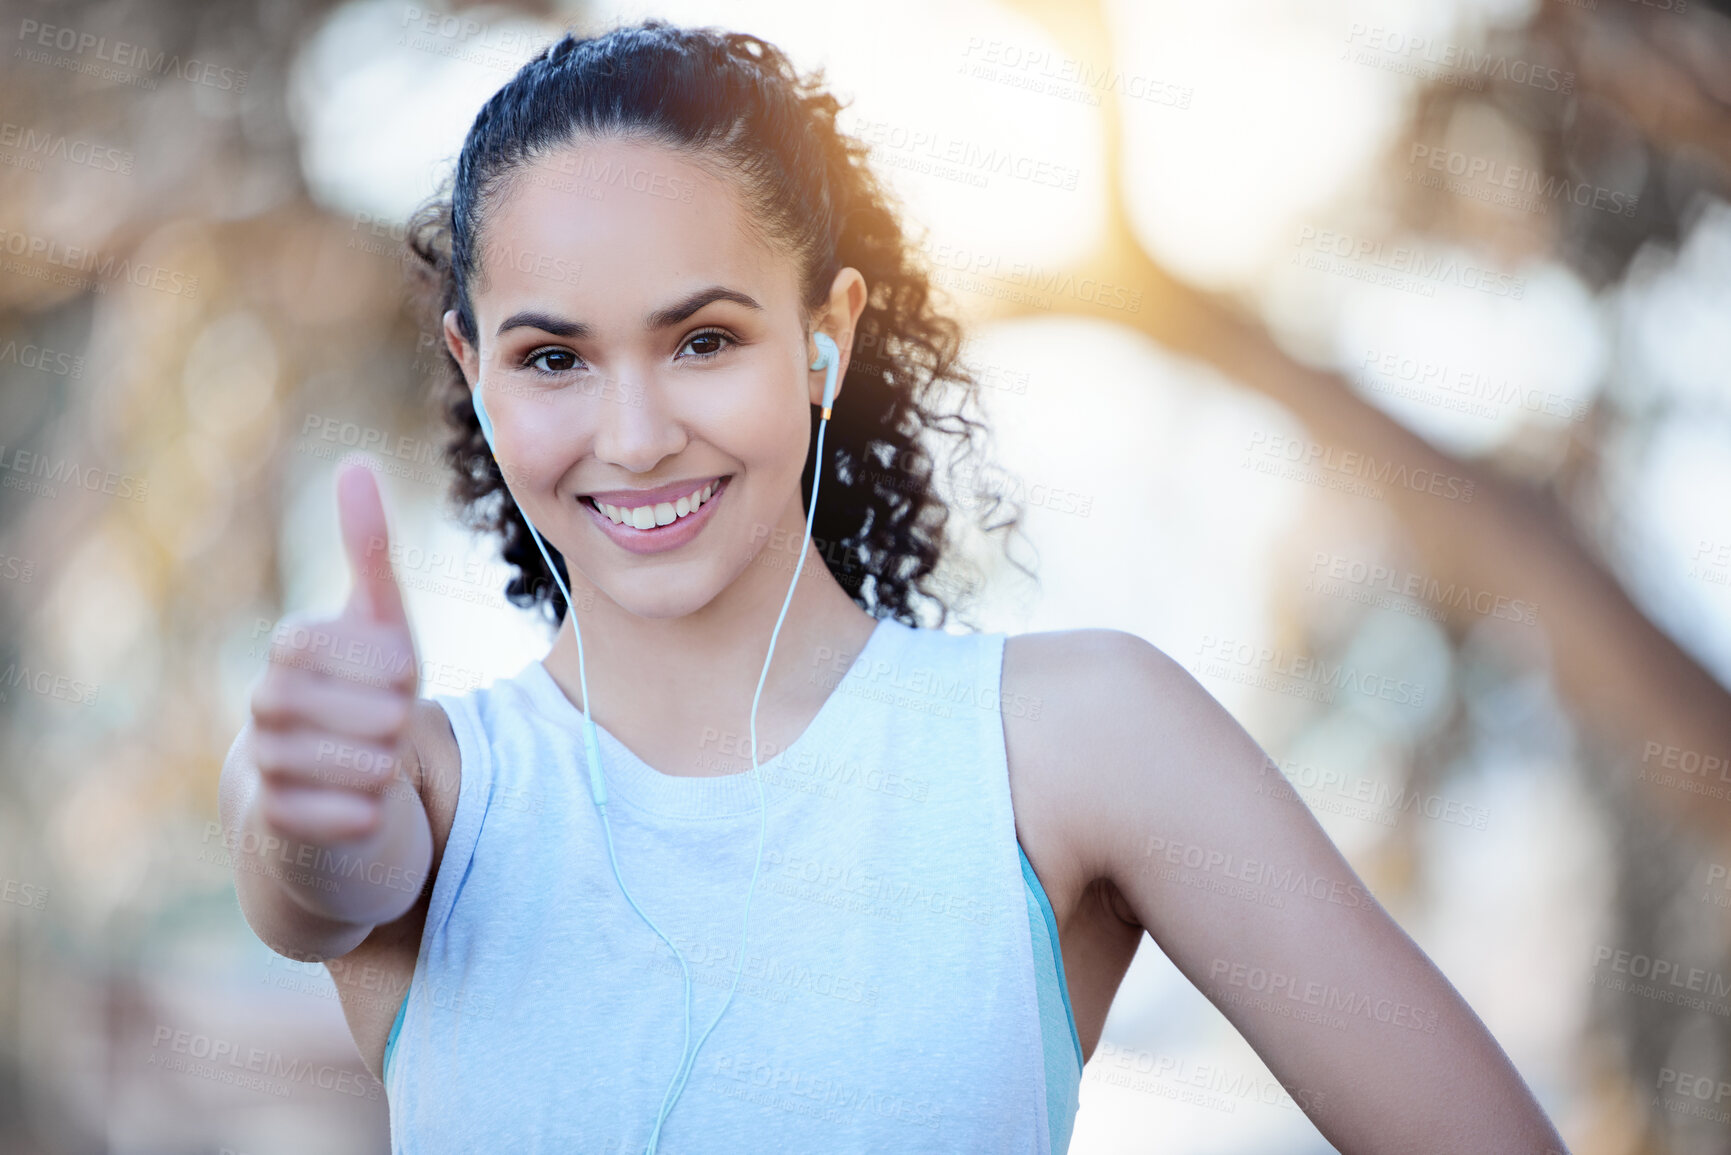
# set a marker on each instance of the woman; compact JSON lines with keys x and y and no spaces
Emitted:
{"x":887,"y":910}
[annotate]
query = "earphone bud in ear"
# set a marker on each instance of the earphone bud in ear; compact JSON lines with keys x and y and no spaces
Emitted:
{"x":828,"y":357}
{"x":826,"y":351}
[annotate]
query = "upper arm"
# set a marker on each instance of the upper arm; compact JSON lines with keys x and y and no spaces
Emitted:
{"x":1233,"y":877}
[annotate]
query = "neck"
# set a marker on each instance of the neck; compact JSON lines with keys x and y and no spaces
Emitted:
{"x":698,"y":673}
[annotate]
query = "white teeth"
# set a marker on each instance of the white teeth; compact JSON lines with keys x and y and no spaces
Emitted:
{"x":662,"y":513}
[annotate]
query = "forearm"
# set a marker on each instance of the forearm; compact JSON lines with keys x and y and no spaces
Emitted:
{"x":1384,"y":1078}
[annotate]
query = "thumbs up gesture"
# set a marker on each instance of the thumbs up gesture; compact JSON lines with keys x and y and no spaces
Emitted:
{"x":331,"y":712}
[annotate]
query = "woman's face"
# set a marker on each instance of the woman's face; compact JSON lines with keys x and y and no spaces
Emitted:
{"x":637,"y":349}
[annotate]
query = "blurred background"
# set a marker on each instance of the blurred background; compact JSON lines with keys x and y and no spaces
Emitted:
{"x":1388,"y":339}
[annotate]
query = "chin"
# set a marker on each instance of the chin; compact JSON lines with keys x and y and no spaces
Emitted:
{"x":642,"y":596}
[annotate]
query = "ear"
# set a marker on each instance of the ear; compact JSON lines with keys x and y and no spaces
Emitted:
{"x":467,"y":356}
{"x":847,"y":300}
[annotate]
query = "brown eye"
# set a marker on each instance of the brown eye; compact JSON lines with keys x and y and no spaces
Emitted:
{"x":708,"y":343}
{"x":559,"y":359}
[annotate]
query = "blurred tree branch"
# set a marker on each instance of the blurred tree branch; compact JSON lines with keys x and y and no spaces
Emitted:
{"x":1625,"y":679}
{"x":1655,"y":72}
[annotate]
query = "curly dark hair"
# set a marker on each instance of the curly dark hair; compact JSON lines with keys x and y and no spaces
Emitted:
{"x":734,"y":103}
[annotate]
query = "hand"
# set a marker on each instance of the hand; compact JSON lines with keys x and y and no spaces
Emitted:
{"x":331,"y":712}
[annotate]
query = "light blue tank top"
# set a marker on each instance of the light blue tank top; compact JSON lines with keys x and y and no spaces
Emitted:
{"x":902,"y":985}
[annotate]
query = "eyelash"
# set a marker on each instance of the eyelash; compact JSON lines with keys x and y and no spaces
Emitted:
{"x":537,"y":353}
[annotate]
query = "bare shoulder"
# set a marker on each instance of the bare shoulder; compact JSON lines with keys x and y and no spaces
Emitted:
{"x":1066,"y":697}
{"x":1078,"y":665}
{"x":1127,"y":746}
{"x":1059,"y":687}
{"x":373,"y":978}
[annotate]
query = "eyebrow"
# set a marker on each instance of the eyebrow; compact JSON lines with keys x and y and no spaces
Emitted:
{"x":662,"y":318}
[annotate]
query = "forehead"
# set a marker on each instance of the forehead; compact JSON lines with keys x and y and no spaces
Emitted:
{"x":616,"y":228}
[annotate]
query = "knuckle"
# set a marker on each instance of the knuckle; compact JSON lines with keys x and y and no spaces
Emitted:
{"x":274,"y":701}
{"x":270,"y":751}
{"x":394,"y":715}
{"x":281,"y":817}
{"x":370,"y":818}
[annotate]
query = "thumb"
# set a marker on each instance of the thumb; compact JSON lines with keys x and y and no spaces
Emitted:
{"x":366,"y":539}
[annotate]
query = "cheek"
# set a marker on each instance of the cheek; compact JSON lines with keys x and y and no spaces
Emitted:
{"x":533,"y":456}
{"x":769,"y":430}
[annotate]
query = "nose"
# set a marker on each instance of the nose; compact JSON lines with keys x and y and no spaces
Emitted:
{"x":635,"y":426}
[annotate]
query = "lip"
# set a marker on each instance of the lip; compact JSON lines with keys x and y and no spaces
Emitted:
{"x":661,"y":538}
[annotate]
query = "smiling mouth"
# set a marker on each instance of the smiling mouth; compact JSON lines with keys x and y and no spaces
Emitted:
{"x":659,"y":514}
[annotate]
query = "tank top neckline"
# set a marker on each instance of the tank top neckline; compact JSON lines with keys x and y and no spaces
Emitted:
{"x":730,"y":795}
